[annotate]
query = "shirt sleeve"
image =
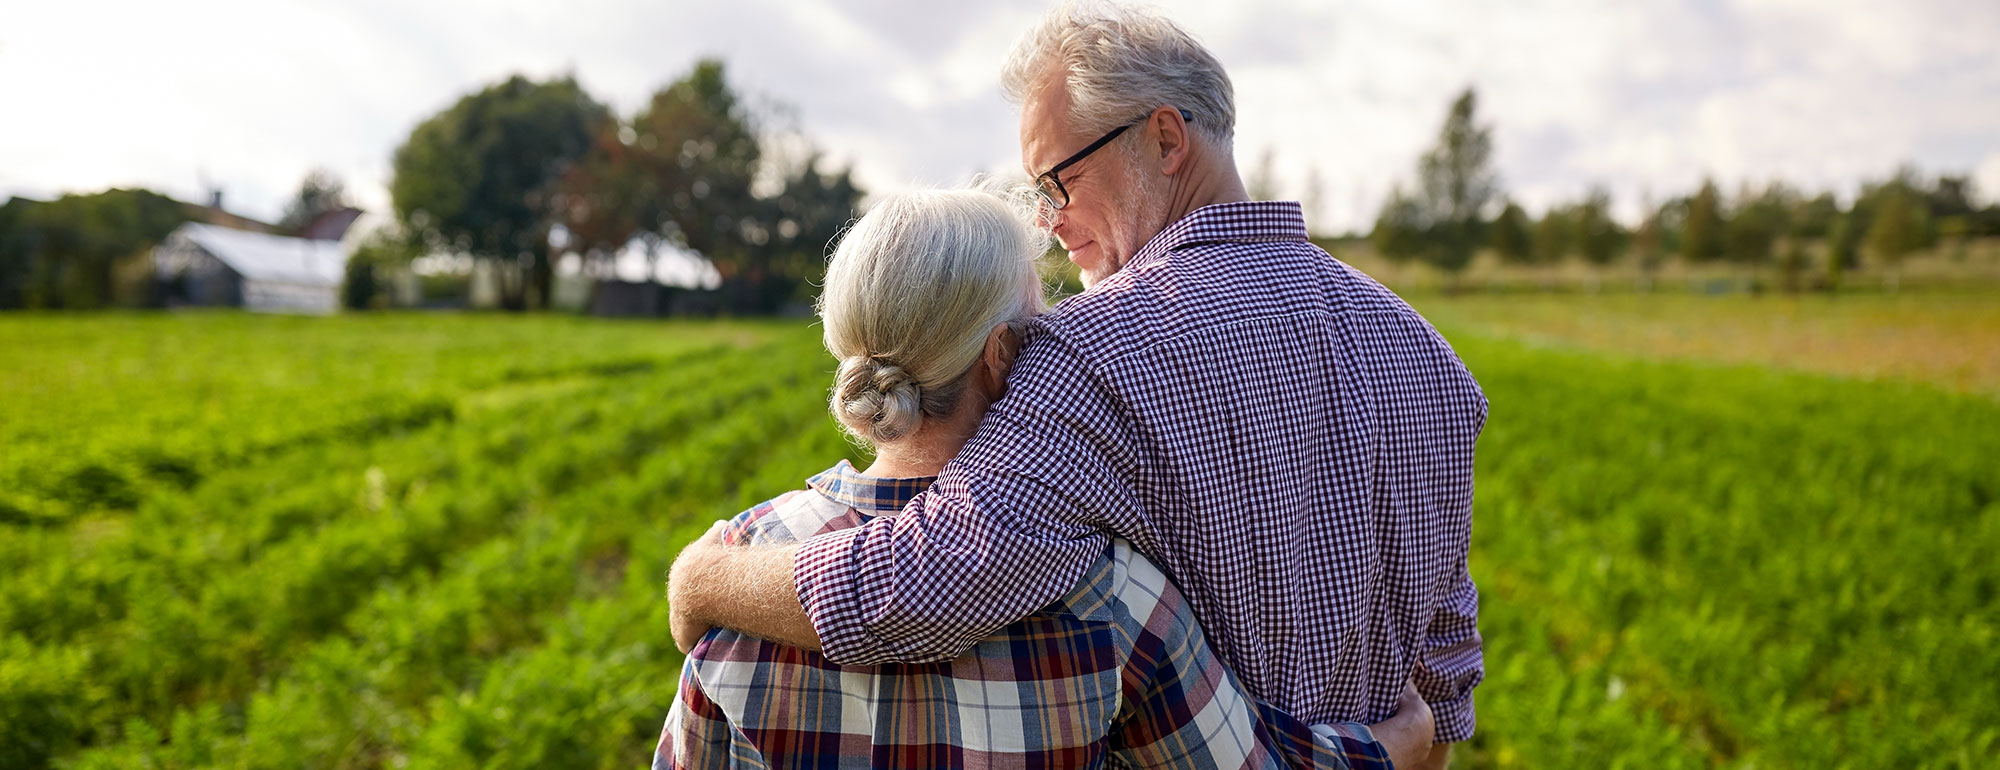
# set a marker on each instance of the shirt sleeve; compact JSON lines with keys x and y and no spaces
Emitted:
{"x":1010,"y":525}
{"x":1454,"y":662}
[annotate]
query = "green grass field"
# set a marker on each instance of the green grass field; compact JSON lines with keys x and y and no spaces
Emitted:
{"x":439,"y":541}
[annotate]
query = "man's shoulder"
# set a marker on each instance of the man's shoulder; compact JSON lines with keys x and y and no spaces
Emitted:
{"x":1201,"y":286}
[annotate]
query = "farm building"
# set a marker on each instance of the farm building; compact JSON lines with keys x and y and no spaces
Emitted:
{"x":203,"y":264}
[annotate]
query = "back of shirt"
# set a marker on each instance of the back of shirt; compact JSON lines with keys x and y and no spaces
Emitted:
{"x":1287,"y":438}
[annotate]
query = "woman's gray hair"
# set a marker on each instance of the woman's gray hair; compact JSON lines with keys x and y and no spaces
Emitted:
{"x":911,"y":294}
{"x":1120,"y":63}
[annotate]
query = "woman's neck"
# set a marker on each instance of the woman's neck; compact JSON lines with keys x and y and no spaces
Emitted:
{"x":923,"y":453}
{"x":889,"y":465}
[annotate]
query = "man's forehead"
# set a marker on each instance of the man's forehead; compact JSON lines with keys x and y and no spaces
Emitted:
{"x":1044,"y":124}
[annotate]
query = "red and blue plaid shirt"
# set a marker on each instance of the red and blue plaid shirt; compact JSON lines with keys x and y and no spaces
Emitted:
{"x":1284,"y":436}
{"x":1116,"y":673}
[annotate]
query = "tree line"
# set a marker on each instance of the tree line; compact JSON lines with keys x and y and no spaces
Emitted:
{"x":514,"y":175}
{"x":1458,"y":207}
{"x":521,"y":172}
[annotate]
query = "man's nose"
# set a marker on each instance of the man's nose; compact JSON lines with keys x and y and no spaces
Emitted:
{"x":1048,"y":217}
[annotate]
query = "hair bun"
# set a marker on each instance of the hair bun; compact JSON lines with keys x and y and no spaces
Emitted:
{"x":877,"y":399}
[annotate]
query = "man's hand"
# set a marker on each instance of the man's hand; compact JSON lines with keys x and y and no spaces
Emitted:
{"x":689,"y":625}
{"x":1407,"y":735}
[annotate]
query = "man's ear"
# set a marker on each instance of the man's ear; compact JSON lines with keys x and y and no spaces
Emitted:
{"x":1173,"y":138}
{"x":1003,"y":343}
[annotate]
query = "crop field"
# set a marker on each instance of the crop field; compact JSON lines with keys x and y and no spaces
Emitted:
{"x":440,"y":541}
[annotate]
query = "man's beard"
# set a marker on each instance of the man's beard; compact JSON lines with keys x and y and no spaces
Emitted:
{"x":1142,"y":212}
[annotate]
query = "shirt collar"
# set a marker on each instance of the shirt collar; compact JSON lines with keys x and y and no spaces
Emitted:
{"x":845,"y":484}
{"x":1244,"y":222}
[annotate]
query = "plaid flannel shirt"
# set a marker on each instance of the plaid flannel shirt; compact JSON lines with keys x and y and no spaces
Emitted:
{"x":1116,"y":673}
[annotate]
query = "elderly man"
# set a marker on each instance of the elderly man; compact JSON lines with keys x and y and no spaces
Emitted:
{"x":1288,"y":439}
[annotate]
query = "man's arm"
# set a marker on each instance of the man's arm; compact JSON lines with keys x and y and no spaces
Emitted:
{"x":1453,"y":662}
{"x":1010,"y":525}
{"x":743,"y":588}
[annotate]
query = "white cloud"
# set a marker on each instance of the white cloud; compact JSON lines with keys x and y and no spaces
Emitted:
{"x":1641,"y":97}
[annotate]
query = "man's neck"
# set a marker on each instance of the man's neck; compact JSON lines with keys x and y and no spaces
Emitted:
{"x":1210,"y":178}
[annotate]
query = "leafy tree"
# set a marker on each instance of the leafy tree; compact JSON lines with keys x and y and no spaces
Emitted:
{"x":1263,"y":182}
{"x":1702,"y":231}
{"x":1671,"y":218}
{"x":1598,"y":236}
{"x":1513,"y":235}
{"x":484,"y":175}
{"x":1399,"y":228}
{"x":1950,"y":197}
{"x":698,"y":146}
{"x":1792,"y":263}
{"x":66,"y":253}
{"x":1648,"y":246}
{"x":1458,"y":185}
{"x":1898,"y":227}
{"x":1814,"y":218}
{"x":1555,"y":235}
{"x":1313,"y":198}
{"x":804,"y":219}
{"x":319,"y":192}
{"x":605,"y":199}
{"x":1760,"y":219}
{"x":365,"y":286}
{"x":1841,"y":251}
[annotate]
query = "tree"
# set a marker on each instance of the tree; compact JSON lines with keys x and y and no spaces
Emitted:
{"x":1760,"y":219}
{"x":1598,"y":236}
{"x":484,"y":175}
{"x":700,"y":150}
{"x":1399,"y":228}
{"x":364,"y":285}
{"x":1649,"y":247}
{"x":1458,"y":185}
{"x":1814,"y":218}
{"x":319,"y":192}
{"x":1900,"y":220}
{"x":1313,"y":199}
{"x":1841,"y":251}
{"x":1702,"y":230}
{"x":804,"y":219}
{"x":1263,"y":182}
{"x":69,"y":253}
{"x":1555,"y":235}
{"x":1513,"y":236}
{"x":603,"y":202}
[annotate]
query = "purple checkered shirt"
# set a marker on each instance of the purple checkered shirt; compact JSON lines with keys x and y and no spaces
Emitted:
{"x":1287,"y":438}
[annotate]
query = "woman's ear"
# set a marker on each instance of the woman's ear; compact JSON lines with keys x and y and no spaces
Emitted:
{"x":1002,"y":344}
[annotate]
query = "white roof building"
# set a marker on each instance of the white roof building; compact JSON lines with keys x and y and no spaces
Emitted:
{"x":209,"y":265}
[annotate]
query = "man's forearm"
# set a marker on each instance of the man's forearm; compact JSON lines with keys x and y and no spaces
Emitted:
{"x":747,"y":589}
{"x":1438,"y":759}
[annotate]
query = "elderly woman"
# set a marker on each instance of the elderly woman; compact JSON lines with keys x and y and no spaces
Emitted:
{"x":920,"y":307}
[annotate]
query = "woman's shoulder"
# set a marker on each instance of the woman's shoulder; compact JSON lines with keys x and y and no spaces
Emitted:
{"x":792,"y":517}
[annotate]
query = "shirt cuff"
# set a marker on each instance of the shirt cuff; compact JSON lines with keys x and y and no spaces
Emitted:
{"x":823,"y":573}
{"x":1454,"y":719}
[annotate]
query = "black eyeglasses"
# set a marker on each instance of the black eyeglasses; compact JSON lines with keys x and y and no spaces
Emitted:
{"x":1051,"y":186}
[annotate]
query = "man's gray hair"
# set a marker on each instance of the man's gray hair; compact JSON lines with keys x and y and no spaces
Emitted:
{"x":1122,"y":62}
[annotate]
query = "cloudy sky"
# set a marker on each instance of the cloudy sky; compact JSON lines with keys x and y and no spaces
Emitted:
{"x":1646,"y":98}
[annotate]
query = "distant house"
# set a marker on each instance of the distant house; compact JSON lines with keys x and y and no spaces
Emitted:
{"x":204,"y":264}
